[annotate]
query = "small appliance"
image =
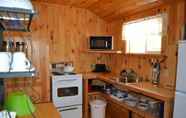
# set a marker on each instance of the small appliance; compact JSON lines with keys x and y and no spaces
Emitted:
{"x":101,"y":42}
{"x":68,"y":68}
{"x":128,"y":76}
{"x":100,"y":68}
{"x":62,"y":68}
{"x":5,"y":61}
{"x":20,"y":62}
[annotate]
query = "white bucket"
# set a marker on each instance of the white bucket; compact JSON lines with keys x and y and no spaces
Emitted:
{"x":98,"y":108}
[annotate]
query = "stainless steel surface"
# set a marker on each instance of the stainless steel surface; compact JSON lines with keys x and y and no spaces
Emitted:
{"x":17,"y":74}
{"x":23,"y":6}
{"x":16,"y":14}
{"x":21,"y":46}
{"x":128,"y":76}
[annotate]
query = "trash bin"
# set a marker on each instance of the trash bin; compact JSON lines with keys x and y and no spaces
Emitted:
{"x":98,"y":108}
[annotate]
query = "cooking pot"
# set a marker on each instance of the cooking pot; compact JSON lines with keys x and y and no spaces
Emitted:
{"x":68,"y":68}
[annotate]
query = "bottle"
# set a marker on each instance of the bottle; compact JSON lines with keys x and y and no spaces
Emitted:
{"x":156,"y":73}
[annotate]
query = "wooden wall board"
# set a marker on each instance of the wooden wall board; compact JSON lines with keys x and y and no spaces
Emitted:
{"x":107,"y":9}
{"x":59,"y":33}
{"x":140,"y":63}
{"x":112,"y":9}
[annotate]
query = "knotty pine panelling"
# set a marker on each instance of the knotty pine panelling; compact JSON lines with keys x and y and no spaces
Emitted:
{"x":140,"y":63}
{"x":59,"y":33}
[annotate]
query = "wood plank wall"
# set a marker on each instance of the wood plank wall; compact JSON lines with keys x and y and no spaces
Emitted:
{"x":59,"y":33}
{"x":140,"y":63}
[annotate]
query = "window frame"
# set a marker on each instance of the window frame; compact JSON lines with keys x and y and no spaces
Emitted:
{"x":164,"y":33}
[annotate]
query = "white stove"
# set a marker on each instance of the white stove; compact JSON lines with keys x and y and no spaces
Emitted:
{"x":67,"y":94}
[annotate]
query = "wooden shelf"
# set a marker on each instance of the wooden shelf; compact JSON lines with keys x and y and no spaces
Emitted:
{"x":123,"y":104}
{"x":94,"y":93}
{"x":144,"y":88}
{"x":146,"y":55}
{"x":124,"y":54}
{"x":17,"y":74}
{"x":106,"y":51}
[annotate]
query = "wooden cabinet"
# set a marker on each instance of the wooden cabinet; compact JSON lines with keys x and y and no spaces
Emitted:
{"x":134,"y":115}
{"x":115,"y":111}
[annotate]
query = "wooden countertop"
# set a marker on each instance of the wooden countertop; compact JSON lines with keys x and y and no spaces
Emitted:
{"x":145,"y":88}
{"x":45,"y":110}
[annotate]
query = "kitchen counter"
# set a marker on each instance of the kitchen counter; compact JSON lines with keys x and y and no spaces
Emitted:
{"x":144,"y":88}
{"x":147,"y":88}
{"x":45,"y":110}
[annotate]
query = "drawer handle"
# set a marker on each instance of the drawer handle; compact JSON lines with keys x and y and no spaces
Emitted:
{"x":68,"y":109}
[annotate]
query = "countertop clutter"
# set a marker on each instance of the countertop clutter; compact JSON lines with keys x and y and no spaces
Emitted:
{"x":145,"y":88}
{"x":163,"y":96}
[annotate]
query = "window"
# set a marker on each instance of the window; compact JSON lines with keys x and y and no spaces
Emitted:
{"x":144,"y":35}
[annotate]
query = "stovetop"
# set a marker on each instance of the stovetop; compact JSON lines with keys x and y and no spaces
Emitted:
{"x":62,"y":73}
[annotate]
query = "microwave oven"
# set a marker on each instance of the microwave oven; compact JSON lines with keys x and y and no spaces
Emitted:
{"x":101,"y":42}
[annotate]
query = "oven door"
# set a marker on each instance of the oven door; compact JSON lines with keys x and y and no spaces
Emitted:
{"x":67,"y":92}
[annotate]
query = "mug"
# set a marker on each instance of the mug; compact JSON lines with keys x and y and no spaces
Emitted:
{"x":5,"y":60}
{"x":20,"y":62}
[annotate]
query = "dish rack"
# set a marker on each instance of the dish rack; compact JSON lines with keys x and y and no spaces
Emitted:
{"x":14,"y":21}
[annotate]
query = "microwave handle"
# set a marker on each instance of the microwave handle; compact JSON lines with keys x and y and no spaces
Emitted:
{"x":75,"y":108}
{"x":106,"y":44}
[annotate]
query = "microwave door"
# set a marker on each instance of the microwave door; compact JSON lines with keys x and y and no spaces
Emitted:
{"x":100,"y":44}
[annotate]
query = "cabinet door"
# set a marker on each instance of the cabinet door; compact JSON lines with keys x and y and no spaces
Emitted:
{"x":115,"y":111}
{"x":134,"y":115}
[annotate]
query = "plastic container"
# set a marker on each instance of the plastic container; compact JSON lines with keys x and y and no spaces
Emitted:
{"x":98,"y":108}
{"x":20,"y":103}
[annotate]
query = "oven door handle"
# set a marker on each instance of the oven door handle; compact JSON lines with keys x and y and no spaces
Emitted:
{"x":68,"y":109}
{"x":67,"y":80}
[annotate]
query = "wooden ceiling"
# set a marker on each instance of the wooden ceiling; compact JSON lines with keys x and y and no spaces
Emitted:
{"x":110,"y":9}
